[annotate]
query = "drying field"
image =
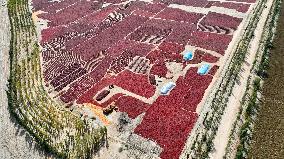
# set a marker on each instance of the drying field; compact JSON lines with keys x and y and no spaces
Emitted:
{"x":130,"y":49}
{"x":97,"y":54}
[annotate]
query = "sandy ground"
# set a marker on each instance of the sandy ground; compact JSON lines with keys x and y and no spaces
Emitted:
{"x":14,"y":143}
{"x":231,"y":111}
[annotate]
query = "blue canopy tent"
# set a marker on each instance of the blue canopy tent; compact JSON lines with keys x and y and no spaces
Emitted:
{"x":188,"y":56}
{"x":203,"y":69}
{"x":167,"y":88}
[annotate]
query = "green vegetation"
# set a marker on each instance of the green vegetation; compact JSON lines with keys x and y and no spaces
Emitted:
{"x":57,"y":130}
{"x":203,"y":143}
{"x":267,"y":136}
{"x":244,"y":125}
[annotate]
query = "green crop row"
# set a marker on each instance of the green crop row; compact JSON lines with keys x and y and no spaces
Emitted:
{"x":203,"y":142}
{"x":251,"y":101}
{"x":57,"y":130}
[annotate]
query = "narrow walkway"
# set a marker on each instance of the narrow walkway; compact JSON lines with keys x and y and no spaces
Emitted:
{"x":220,"y":10}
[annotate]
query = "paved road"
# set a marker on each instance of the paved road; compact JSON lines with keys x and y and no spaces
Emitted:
{"x":14,"y":143}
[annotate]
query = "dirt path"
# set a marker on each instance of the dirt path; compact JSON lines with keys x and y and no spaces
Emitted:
{"x":231,"y":112}
{"x":14,"y":143}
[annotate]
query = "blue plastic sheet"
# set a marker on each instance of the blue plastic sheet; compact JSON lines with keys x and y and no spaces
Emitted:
{"x":203,"y":69}
{"x":188,"y":56}
{"x":167,"y":87}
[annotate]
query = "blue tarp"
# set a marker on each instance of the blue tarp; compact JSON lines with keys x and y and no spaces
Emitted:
{"x":203,"y":69}
{"x":167,"y":87}
{"x":188,"y":56}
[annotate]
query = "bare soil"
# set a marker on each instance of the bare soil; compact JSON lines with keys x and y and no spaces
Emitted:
{"x":268,"y":135}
